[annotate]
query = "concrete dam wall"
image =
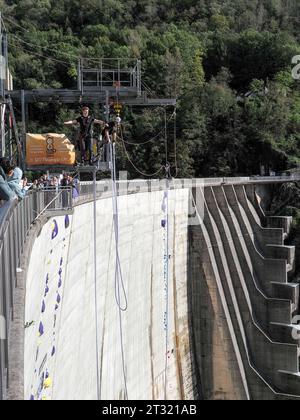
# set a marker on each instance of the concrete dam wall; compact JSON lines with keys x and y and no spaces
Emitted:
{"x":211,"y":301}
{"x":60,"y":299}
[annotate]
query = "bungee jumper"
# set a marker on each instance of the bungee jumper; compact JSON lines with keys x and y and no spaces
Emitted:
{"x":85,"y":138}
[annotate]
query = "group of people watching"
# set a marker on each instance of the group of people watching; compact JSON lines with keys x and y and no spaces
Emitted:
{"x":12,"y":184}
{"x":55,"y":182}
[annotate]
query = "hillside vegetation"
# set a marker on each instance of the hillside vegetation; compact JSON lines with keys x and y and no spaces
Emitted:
{"x":228,"y":62}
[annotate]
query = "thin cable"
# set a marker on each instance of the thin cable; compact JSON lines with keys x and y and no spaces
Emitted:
{"x":175,"y":143}
{"x":133,"y":165}
{"x":118,"y":270}
{"x":95,"y":288}
{"x":42,"y":47}
{"x":153,"y":138}
{"x":166,"y":285}
{"x":63,"y":63}
{"x":14,"y":23}
{"x":3,"y":23}
{"x":166,"y":139}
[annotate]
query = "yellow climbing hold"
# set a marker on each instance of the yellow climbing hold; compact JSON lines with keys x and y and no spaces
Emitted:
{"x":47,"y":383}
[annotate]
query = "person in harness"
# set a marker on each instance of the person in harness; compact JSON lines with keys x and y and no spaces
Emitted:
{"x":85,"y":139}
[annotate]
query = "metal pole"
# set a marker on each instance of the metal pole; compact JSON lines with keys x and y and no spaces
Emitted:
{"x":2,"y":60}
{"x":23,"y":105}
{"x":95,"y":285}
{"x":2,"y":134}
{"x":139,"y":77}
{"x":5,"y":53}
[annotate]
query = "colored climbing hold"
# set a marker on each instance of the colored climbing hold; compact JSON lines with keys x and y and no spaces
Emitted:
{"x":47,"y":279}
{"x":41,"y":329}
{"x":60,"y":272}
{"x":58,"y":298}
{"x":54,"y":230}
{"x":56,"y":307}
{"x":163,"y":223}
{"x":43,"y":307}
{"x":59,"y":283}
{"x":46,"y":290}
{"x":31,"y":397}
{"x":67,"y":221}
{"x":53,"y":351}
{"x":61,"y":261}
{"x":47,"y":383}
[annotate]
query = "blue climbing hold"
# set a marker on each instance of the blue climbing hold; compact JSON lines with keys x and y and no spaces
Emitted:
{"x":67,"y":221}
{"x":43,"y":307}
{"x":31,"y":397}
{"x":46,"y":291}
{"x":41,"y":329}
{"x":54,"y":230}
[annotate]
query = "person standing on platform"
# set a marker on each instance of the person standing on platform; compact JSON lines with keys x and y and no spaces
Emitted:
{"x":86,"y":124}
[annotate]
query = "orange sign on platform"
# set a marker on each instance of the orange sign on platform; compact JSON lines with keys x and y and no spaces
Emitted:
{"x":49,"y":149}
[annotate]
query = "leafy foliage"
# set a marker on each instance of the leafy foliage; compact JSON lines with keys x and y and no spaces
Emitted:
{"x":227,"y":61}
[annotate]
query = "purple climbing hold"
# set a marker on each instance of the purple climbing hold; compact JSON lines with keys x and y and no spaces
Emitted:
{"x":31,"y":397}
{"x":46,"y":291}
{"x":43,"y":307}
{"x":41,"y":329}
{"x":53,"y":351}
{"x":60,"y":272}
{"x":47,"y":279}
{"x":67,"y":221}
{"x":54,"y":230}
{"x":163,"y":223}
{"x":56,"y":307}
{"x":59,"y":283}
{"x":58,"y":298}
{"x":61,"y":261}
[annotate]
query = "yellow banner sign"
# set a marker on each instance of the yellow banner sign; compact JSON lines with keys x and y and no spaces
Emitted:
{"x":49,"y":149}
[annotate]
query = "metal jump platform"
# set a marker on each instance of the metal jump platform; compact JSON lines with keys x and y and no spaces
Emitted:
{"x":99,"y":81}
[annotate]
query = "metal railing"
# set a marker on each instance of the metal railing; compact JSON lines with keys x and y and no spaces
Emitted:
{"x":16,"y":219}
{"x":118,"y":73}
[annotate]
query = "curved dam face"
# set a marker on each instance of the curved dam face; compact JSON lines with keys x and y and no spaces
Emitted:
{"x":209,"y":302}
{"x":62,"y":335}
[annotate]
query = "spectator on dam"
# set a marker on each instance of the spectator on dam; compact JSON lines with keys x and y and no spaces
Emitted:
{"x":16,"y":183}
{"x":6,"y":169}
{"x":68,"y":181}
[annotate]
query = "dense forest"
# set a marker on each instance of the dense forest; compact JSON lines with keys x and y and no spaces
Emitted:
{"x":228,"y":62}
